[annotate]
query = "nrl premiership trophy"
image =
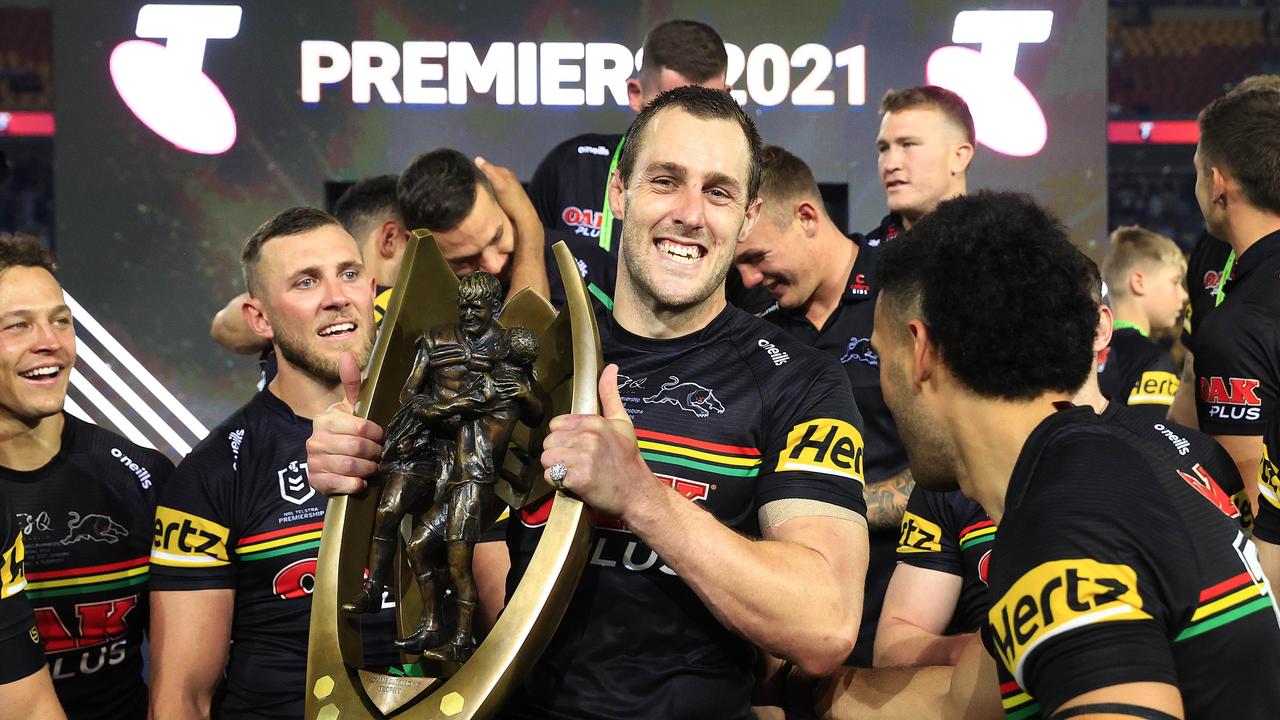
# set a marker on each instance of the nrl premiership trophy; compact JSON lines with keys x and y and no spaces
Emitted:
{"x":464,"y":393}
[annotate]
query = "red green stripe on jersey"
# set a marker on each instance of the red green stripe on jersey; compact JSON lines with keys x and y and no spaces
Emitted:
{"x":977,"y":534}
{"x":280,"y":542}
{"x":1018,"y":705}
{"x":729,"y":460}
{"x":85,"y":580}
{"x":1224,"y":603}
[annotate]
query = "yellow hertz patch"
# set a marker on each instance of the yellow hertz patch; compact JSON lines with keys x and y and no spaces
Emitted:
{"x":824,"y":445}
{"x":183,"y":540}
{"x":1268,"y":478}
{"x":1057,"y":597}
{"x":919,"y":536}
{"x":13,"y":575}
{"x":1155,"y":387}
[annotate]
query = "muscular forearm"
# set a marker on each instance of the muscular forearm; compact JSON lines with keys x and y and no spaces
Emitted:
{"x":887,"y":501}
{"x":883,"y":693}
{"x":786,"y":597}
{"x":530,"y":268}
{"x":899,"y":643}
{"x":30,"y":698}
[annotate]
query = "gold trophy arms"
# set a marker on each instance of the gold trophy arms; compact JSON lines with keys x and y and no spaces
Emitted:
{"x":568,"y":369}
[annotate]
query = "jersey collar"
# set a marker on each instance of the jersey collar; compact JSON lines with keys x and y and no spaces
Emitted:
{"x":1260,"y":252}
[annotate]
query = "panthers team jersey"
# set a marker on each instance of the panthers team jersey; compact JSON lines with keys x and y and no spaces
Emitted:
{"x":568,"y":187}
{"x":948,"y":532}
{"x":846,"y":336}
{"x":20,"y":653}
{"x":85,"y":518}
{"x":733,"y":416}
{"x":1135,"y":370}
{"x":1237,"y":347}
{"x":1204,"y":272}
{"x":1267,"y":527}
{"x":239,"y":514}
{"x":1110,"y":567}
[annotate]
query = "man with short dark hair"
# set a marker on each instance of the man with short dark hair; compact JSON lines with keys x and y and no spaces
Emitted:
{"x":1236,"y":347}
{"x":709,"y":437}
{"x":82,"y":497}
{"x":237,"y":528}
{"x":1116,"y":584}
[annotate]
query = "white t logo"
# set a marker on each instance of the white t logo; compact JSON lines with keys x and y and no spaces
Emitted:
{"x":165,"y":85}
{"x":1007,"y":117}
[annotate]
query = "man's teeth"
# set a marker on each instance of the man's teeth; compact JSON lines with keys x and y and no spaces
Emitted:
{"x":337,"y":328}
{"x":42,"y":372}
{"x":687,"y":254}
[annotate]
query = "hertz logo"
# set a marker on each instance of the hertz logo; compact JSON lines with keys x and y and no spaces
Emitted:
{"x":919,"y":535}
{"x":183,"y":540}
{"x":824,"y":445}
{"x":1155,"y":387}
{"x":13,"y":575}
{"x":1057,"y":597}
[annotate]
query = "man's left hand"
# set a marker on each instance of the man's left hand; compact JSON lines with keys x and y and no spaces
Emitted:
{"x":601,"y":454}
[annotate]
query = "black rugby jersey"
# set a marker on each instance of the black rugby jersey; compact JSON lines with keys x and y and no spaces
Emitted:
{"x":847,"y":337}
{"x":20,"y":653}
{"x":1267,"y":527}
{"x":1204,"y":270}
{"x":86,"y":521}
{"x":1237,"y":347}
{"x":948,"y":532}
{"x":1111,"y":568}
{"x":733,"y":416}
{"x":239,"y":514}
{"x":1137,"y":371}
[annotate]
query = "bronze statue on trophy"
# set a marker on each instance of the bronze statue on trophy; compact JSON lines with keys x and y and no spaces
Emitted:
{"x":470,"y":383}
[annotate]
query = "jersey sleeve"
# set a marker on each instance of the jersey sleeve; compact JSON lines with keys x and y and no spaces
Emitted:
{"x":195,"y":525}
{"x":544,"y":188}
{"x":1157,"y":381}
{"x":927,"y":540}
{"x":1233,"y":396}
{"x":1082,"y":602}
{"x":815,"y":449}
{"x":20,"y":651}
{"x":1266,"y":526}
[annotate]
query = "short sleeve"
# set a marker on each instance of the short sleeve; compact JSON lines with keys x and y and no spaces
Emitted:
{"x":1266,"y":526}
{"x":815,"y":449}
{"x":1232,"y":374}
{"x":1157,"y":382}
{"x":1081,"y":604}
{"x":195,"y":521}
{"x":20,"y":651}
{"x":926,"y":539}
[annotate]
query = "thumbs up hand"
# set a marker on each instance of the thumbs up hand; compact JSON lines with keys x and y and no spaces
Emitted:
{"x":343,"y":449}
{"x":601,"y":454}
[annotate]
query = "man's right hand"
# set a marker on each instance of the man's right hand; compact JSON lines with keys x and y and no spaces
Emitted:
{"x":343,"y":450}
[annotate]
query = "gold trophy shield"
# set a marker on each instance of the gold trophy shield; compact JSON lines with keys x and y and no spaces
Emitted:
{"x":568,"y":368}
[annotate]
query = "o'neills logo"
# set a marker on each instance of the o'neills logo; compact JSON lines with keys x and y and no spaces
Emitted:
{"x":778,"y":357}
{"x":1057,"y":597}
{"x":144,"y":475}
{"x":1182,"y":444}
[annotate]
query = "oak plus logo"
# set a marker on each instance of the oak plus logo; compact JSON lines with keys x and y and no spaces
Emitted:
{"x":165,"y":85}
{"x":1007,"y":117}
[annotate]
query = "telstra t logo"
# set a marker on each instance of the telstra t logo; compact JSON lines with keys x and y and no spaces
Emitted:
{"x":165,"y":85}
{"x":1006,"y":114}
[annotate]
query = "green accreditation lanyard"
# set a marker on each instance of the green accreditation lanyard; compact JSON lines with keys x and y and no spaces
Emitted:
{"x":1220,"y":292}
{"x":1126,"y":325}
{"x":606,"y":223}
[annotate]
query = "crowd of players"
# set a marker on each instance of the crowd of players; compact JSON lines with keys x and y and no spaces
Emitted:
{"x":945,"y":468}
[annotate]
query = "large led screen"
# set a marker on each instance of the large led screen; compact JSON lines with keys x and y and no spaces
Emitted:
{"x":181,"y":127}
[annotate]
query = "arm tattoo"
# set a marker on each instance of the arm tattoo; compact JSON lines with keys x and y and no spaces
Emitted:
{"x":887,"y":501}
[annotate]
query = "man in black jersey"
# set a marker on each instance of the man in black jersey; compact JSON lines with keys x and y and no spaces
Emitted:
{"x":482,"y":220}
{"x":82,"y":498}
{"x":1144,"y":272}
{"x":234,"y":553}
{"x":1117,"y":587}
{"x":568,"y":187}
{"x":825,"y":289}
{"x":706,"y":408}
{"x":368,"y":211}
{"x":1235,"y":347}
{"x":26,"y":692}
